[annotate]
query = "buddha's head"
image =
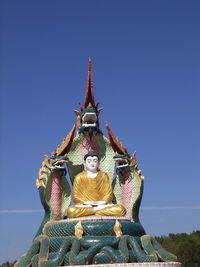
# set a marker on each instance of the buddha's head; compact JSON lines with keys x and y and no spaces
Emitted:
{"x":91,"y":161}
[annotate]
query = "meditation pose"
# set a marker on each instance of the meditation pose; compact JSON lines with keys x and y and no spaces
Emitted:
{"x":92,"y":192}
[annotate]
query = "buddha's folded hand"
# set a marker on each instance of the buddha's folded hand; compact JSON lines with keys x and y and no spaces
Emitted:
{"x":83,"y":206}
{"x":94,"y":203}
{"x":103,"y":206}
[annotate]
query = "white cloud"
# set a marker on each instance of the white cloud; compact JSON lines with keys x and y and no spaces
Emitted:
{"x":195,"y":207}
{"x":21,"y":211}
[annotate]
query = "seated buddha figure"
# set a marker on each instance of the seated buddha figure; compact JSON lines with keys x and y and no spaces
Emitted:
{"x":92,"y":192}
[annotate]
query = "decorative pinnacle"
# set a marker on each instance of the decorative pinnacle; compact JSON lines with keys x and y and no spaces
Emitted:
{"x":115,"y":143}
{"x":89,"y":95}
{"x":89,"y":64}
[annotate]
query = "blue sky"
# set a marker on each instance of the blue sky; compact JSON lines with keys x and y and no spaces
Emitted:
{"x":146,"y":66}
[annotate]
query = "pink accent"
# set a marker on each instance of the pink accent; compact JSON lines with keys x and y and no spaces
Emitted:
{"x":56,"y":198}
{"x":127,"y":189}
{"x":88,"y":145}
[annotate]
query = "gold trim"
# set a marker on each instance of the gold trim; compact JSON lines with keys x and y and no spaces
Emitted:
{"x":118,"y":229}
{"x":78,"y":230}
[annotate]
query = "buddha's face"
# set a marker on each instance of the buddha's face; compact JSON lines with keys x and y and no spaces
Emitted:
{"x":92,"y":164}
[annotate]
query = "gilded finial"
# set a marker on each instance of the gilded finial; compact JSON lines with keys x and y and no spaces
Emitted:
{"x":78,"y":230}
{"x":89,"y":105}
{"x":118,"y":229}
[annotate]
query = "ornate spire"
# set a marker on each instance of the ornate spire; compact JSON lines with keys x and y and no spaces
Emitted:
{"x":87,"y":117}
{"x":115,"y":143}
{"x":89,"y":95}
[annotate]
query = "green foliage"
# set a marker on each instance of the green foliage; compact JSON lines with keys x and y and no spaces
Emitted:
{"x":7,"y":264}
{"x":185,"y":246}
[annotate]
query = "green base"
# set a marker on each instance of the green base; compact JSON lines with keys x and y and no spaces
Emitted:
{"x":58,"y":246}
{"x":98,"y":227}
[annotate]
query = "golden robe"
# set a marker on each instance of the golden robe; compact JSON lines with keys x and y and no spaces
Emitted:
{"x":99,"y":188}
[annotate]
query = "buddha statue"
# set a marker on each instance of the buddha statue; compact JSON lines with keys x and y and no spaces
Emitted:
{"x":92,"y":192}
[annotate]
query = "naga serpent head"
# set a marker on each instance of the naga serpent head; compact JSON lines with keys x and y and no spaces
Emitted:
{"x":55,"y":163}
{"x":88,"y":116}
{"x":122,"y":160}
{"x":49,"y":166}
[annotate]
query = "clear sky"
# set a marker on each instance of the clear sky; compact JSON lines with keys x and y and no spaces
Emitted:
{"x":146,"y":75}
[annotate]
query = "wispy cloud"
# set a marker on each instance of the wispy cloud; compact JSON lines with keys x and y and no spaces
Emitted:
{"x":195,"y":207}
{"x":21,"y":211}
